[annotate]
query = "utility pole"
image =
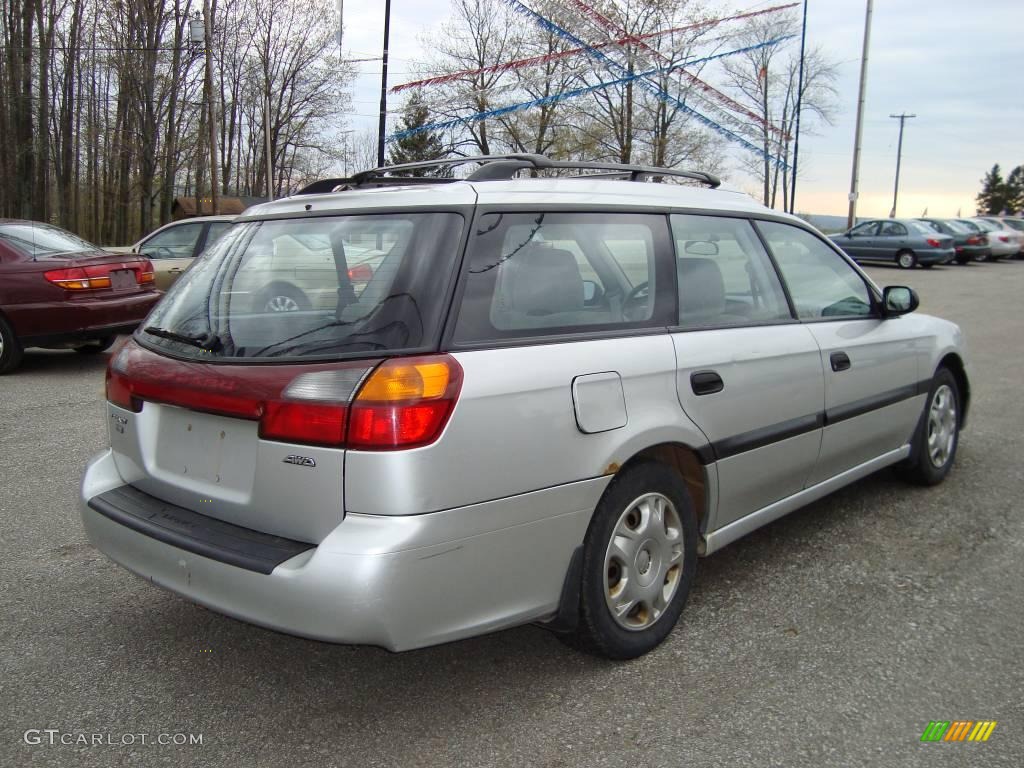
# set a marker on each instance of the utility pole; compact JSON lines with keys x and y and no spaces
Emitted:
{"x":799,"y":103}
{"x":382,"y":125}
{"x":899,"y":154}
{"x":210,"y":106}
{"x":851,"y":218}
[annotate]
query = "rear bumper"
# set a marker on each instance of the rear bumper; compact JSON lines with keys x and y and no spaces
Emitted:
{"x":936,"y":256}
{"x":973,"y":252}
{"x":81,"y":320}
{"x":399,"y":582}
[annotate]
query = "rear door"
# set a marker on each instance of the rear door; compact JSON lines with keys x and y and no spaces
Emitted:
{"x":561,"y":330}
{"x":748,"y":374}
{"x":872,"y":398}
{"x":891,"y":239}
{"x":171,"y":250}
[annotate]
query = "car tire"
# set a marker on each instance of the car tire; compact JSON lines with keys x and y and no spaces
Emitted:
{"x":640,"y":551}
{"x":97,"y":346}
{"x":906,"y":259}
{"x":933,"y":449}
{"x":281,"y":298}
{"x":11,"y":350}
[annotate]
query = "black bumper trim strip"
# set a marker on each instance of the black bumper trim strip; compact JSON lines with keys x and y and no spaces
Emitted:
{"x":196,"y":533}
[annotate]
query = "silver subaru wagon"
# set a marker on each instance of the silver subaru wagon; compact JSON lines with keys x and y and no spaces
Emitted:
{"x":500,"y":399}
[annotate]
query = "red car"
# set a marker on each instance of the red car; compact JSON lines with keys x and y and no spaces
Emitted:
{"x":59,"y":291}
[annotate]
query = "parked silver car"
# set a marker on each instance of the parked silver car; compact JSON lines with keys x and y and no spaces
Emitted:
{"x":551,"y":397}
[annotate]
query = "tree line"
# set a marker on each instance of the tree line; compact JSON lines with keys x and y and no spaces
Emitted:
{"x":999,"y":195}
{"x":104,"y":115}
{"x":647,"y":120}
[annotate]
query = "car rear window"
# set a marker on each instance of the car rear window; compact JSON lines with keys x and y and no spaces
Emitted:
{"x":330,"y":286}
{"x":41,"y":240}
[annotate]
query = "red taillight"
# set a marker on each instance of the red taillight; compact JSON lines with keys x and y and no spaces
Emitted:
{"x":80,"y":278}
{"x":360,"y":273}
{"x":973,"y":240}
{"x":145,"y":275}
{"x":404,"y":403}
{"x":933,"y":242}
{"x":93,"y":276}
{"x":312,"y":423}
{"x":119,"y":391}
{"x":1004,"y":238}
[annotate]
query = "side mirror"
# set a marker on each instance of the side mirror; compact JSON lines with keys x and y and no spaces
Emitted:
{"x":899,"y":300}
{"x":592,"y":292}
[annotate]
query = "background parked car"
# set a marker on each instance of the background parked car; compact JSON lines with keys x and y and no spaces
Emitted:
{"x":970,"y":244}
{"x":1003,"y":241}
{"x":57,"y":290}
{"x":1006,"y":229}
{"x":172,"y":247}
{"x":907,"y":242}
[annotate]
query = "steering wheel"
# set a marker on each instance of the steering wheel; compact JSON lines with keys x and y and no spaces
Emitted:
{"x":162,"y":252}
{"x":635,"y":306}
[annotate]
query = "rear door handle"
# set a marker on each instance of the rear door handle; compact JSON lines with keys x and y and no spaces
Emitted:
{"x":706,"y":382}
{"x":840,"y":361}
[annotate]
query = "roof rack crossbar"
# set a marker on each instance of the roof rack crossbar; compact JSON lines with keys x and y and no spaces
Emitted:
{"x":499,"y":167}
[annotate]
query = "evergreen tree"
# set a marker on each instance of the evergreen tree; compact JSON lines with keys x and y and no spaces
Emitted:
{"x":992,"y":198}
{"x":1015,"y":190}
{"x":425,"y":145}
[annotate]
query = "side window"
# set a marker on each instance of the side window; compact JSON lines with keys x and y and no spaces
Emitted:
{"x":217,"y":228}
{"x":173,"y":243}
{"x":864,"y":230}
{"x":821,"y":283}
{"x":893,"y":229}
{"x":725,"y":276}
{"x":544,"y":273}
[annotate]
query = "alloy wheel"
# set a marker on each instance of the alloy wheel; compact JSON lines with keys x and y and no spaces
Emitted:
{"x":942,"y":425}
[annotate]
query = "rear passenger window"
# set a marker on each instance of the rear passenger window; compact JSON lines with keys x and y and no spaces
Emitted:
{"x":820,"y":281}
{"x":543,"y":273}
{"x":725,"y":276}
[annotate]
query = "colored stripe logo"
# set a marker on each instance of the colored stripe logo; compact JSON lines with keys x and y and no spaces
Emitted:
{"x":958,"y":730}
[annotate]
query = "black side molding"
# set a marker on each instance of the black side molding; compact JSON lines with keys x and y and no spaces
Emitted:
{"x":192,"y":532}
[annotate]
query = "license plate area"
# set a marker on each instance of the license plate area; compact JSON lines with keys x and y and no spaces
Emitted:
{"x":122,"y":279}
{"x":207,"y":450}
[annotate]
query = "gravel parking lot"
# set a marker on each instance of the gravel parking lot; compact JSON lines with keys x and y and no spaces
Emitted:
{"x":831,"y":637}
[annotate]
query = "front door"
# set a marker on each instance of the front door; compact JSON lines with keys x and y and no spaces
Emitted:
{"x":748,"y":374}
{"x":872,"y":396}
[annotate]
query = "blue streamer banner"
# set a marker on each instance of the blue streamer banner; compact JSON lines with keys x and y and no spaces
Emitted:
{"x":576,"y":92}
{"x":652,"y":88}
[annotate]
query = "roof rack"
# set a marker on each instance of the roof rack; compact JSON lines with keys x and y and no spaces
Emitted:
{"x":500,"y":168}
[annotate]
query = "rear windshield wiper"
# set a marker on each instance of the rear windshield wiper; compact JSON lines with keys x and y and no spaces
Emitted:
{"x":209,"y":342}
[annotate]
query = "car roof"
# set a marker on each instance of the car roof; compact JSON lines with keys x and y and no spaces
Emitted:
{"x":545,"y":192}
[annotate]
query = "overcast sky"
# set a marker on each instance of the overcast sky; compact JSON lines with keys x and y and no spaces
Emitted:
{"x":959,"y":66}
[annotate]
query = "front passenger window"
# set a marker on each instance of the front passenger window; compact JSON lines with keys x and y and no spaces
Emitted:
{"x":821,"y":282}
{"x":725,"y":277}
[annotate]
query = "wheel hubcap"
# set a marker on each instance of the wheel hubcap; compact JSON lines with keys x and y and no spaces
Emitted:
{"x":282,"y":304}
{"x":942,"y":426}
{"x":643,"y":562}
{"x":906,"y":260}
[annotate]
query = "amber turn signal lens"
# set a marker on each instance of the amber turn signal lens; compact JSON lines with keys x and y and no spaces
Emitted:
{"x":403,"y":381}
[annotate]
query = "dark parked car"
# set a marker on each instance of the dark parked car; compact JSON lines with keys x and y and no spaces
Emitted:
{"x":59,"y":291}
{"x":907,"y":242}
{"x":970,"y":243}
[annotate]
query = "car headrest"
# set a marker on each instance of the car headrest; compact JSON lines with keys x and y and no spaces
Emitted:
{"x":539,"y":280}
{"x":701,"y":290}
